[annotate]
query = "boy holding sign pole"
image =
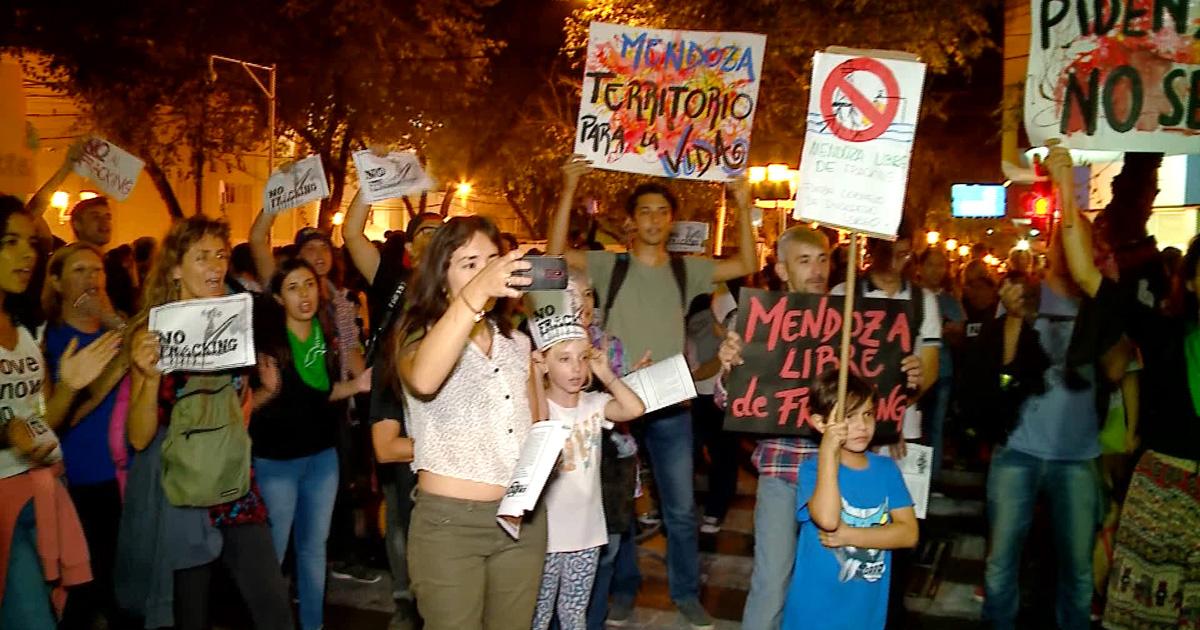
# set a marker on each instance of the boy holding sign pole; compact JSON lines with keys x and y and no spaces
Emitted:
{"x":803,"y":255}
{"x":646,"y":293}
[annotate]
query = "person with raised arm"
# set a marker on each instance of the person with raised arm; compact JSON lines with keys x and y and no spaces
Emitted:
{"x":471,"y":397}
{"x":645,"y":294}
{"x":1153,"y":579}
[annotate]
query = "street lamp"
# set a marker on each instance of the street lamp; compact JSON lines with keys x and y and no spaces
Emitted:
{"x":268,"y":90}
{"x":933,"y":237}
{"x":951,"y":244}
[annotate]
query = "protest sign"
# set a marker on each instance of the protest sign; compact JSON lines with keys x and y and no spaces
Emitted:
{"x":16,"y":157}
{"x":792,"y":338}
{"x":206,"y":335}
{"x":916,"y":467}
{"x":396,"y":174}
{"x":687,"y":237}
{"x":669,"y":103}
{"x":554,"y":317}
{"x":113,"y":169}
{"x":302,"y":182}
{"x":862,"y":120}
{"x":1115,"y":76}
{"x":539,"y":457}
{"x":668,"y":382}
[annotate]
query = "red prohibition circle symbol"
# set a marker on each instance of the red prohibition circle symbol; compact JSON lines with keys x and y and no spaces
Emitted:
{"x":838,"y":80}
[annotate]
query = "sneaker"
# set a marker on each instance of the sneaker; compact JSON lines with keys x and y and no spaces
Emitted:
{"x":649,"y":519}
{"x":354,"y":572}
{"x":694,"y":613}
{"x":620,"y":613}
{"x":710,"y":525}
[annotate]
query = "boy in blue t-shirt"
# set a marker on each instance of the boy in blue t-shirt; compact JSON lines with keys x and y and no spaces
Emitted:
{"x":853,"y":508}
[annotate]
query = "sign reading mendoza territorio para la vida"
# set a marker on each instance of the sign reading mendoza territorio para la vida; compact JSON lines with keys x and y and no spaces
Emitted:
{"x":669,"y":103}
{"x":207,"y":335}
{"x":793,"y":338}
{"x":1115,"y":76}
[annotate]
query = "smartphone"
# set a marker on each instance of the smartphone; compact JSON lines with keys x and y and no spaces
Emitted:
{"x":549,"y":273}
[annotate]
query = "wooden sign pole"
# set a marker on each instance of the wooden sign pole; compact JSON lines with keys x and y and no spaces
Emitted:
{"x":847,"y":323}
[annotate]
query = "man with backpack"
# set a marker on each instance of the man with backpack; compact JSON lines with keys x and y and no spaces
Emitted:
{"x":645,"y":294}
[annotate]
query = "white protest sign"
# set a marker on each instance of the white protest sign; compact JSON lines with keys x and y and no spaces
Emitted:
{"x":668,"y":382}
{"x":687,"y":237}
{"x":1114,"y":76}
{"x":862,"y":120}
{"x":917,"y":470}
{"x":111,"y":167}
{"x":205,"y":335}
{"x":396,"y":174}
{"x":539,"y":457}
{"x":554,"y":318}
{"x":304,"y":182}
{"x":669,"y":103}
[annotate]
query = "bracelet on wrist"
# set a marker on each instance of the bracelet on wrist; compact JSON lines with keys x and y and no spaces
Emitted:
{"x":479,"y":313}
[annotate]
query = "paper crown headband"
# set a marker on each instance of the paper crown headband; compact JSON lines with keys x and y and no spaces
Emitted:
{"x":554,"y":318}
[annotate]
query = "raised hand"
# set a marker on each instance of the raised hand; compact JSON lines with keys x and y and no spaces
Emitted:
{"x":598,"y":361}
{"x":77,"y":369}
{"x":496,"y":280}
{"x":739,"y":189}
{"x":145,"y":352}
{"x":575,"y":168}
{"x":730,"y":352}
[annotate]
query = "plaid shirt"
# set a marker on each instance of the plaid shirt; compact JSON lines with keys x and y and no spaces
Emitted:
{"x":774,"y":457}
{"x":782,"y":457}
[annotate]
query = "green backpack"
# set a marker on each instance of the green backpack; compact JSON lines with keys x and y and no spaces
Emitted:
{"x":206,"y":453}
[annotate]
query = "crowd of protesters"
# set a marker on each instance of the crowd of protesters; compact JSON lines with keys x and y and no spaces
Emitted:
{"x":401,"y":374}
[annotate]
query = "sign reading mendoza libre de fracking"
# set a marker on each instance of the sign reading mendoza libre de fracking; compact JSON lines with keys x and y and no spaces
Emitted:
{"x":206,"y":335}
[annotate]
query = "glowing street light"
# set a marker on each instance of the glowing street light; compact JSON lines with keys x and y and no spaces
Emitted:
{"x":951,"y":244}
{"x":778,"y":172}
{"x":758,"y":174}
{"x":339,"y":218}
{"x":463,"y":189}
{"x":88,"y":194}
{"x":933,"y":237}
{"x":1022,"y":245}
{"x":963,"y":251}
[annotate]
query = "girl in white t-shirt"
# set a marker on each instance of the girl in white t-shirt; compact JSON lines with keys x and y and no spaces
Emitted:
{"x":575,"y":517}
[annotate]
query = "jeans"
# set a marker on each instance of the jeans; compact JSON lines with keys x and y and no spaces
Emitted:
{"x":300,"y":492}
{"x":668,"y":438}
{"x":25,"y":602}
{"x":1014,"y":482}
{"x":722,"y":453}
{"x":247,"y":555}
{"x":775,"y":535}
{"x":617,"y":574}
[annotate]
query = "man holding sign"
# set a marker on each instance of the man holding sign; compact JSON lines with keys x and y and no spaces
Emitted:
{"x":645,"y":294}
{"x":803,"y":255}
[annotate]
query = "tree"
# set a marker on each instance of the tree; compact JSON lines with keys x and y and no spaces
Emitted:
{"x":349,"y":72}
{"x":947,"y":34}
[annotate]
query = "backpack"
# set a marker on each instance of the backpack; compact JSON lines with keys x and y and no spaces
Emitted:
{"x":621,"y":269}
{"x":206,"y":452}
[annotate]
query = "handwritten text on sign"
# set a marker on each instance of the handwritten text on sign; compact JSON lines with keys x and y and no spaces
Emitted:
{"x":862,"y":119}
{"x":1115,"y":76}
{"x":114,"y":170}
{"x":205,"y":335}
{"x":669,"y":103}
{"x":687,"y":237}
{"x":396,"y":174}
{"x":792,"y":338}
{"x":303,"y":182}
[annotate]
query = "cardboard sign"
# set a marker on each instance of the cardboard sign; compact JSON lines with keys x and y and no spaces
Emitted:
{"x":862,"y":120}
{"x":669,"y":103}
{"x":1121,"y":79}
{"x":394,"y":175}
{"x":16,"y":157}
{"x":206,"y":335}
{"x":687,"y":237}
{"x":554,"y":317}
{"x":304,"y":182}
{"x":113,"y":169}
{"x":793,"y":338}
